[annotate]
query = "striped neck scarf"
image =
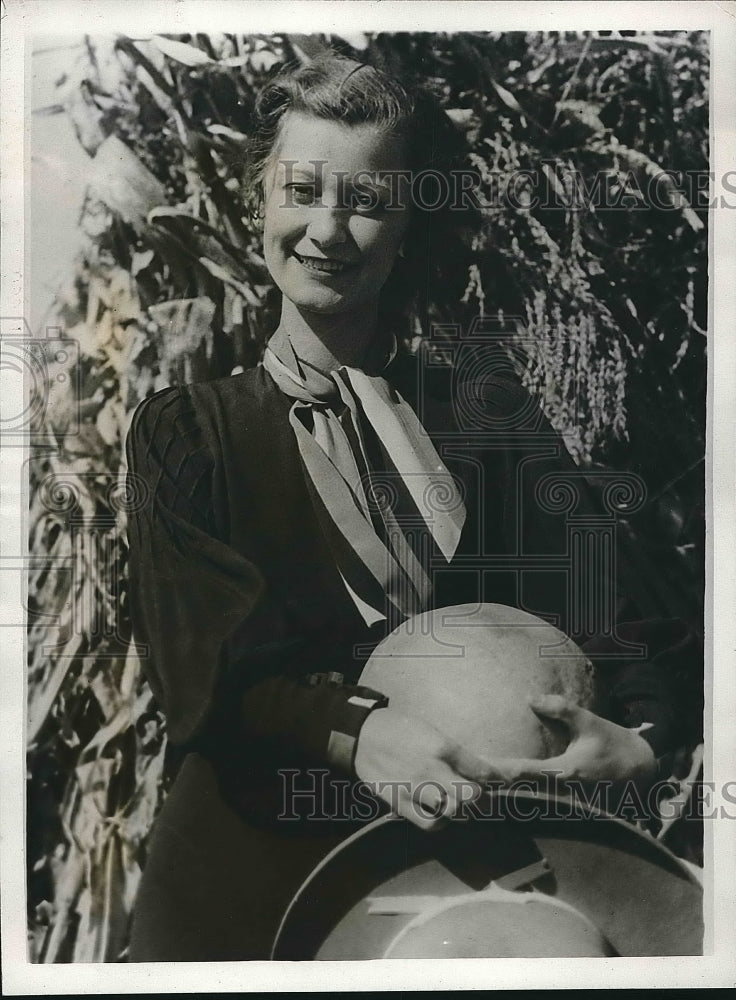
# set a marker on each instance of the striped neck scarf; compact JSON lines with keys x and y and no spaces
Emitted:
{"x":384,"y":498}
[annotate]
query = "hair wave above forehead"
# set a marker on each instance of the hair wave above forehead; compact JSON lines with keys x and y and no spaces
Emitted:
{"x":338,"y":89}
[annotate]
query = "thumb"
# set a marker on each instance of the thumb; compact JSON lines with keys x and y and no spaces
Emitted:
{"x":554,"y":706}
{"x":468,"y":764}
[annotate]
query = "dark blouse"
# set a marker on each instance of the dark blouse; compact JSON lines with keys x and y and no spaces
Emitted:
{"x":254,"y":647}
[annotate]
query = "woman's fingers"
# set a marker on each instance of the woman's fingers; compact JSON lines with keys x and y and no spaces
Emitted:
{"x":504,"y":770}
{"x":467,"y":764}
{"x":430,"y":802}
{"x":440,"y":777}
{"x":414,"y":762}
{"x":507,"y":770}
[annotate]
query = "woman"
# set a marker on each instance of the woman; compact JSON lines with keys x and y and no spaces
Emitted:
{"x":264,"y":570}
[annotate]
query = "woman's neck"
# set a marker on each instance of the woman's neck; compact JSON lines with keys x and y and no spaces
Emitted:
{"x":327,"y":341}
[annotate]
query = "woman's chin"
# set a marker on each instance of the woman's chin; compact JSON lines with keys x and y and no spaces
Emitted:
{"x":324,"y":302}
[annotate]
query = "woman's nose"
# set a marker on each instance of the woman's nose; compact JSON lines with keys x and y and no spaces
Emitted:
{"x":327,"y":225}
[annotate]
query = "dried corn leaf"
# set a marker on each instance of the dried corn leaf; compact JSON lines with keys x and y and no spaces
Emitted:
{"x":663,"y":181}
{"x":122,"y":182}
{"x":68,"y":885}
{"x":186,"y":338}
{"x":85,"y":811}
{"x":202,"y":239}
{"x":228,"y":133}
{"x":162,"y":99}
{"x":103,"y":930}
{"x":43,"y":698}
{"x":189,"y":55}
{"x":239,"y":286}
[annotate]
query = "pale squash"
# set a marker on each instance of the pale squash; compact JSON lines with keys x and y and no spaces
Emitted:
{"x":470,"y":670}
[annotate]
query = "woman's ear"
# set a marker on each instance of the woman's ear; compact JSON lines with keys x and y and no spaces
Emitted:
{"x":255,"y":210}
{"x":253,"y":201}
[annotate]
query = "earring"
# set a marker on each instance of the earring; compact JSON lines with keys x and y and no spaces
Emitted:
{"x":401,"y":252}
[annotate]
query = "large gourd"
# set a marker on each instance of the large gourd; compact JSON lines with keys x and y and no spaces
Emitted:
{"x":470,"y":670}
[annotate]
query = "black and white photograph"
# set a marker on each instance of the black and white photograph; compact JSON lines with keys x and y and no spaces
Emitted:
{"x":362,"y":463}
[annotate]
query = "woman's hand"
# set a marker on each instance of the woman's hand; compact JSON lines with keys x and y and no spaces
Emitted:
{"x":419,"y":772}
{"x":599,"y":750}
{"x":426,"y":777}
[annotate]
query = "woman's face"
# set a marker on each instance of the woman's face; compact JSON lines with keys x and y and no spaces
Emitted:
{"x":330,"y":239}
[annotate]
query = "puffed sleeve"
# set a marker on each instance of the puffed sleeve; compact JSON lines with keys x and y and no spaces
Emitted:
{"x":217,"y":649}
{"x":188,"y":591}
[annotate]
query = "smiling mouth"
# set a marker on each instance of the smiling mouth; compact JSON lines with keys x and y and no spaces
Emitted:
{"x":322,"y":265}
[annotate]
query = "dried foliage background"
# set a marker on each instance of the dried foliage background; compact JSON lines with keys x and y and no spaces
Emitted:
{"x":171,"y":287}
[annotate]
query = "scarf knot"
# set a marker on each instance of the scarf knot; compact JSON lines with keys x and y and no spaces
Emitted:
{"x":383,"y":496}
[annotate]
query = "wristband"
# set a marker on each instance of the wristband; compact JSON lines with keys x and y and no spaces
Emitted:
{"x":343,"y":739}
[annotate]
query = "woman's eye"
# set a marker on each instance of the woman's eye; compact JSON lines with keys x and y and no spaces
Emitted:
{"x":301,"y":194}
{"x":367,"y":201}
